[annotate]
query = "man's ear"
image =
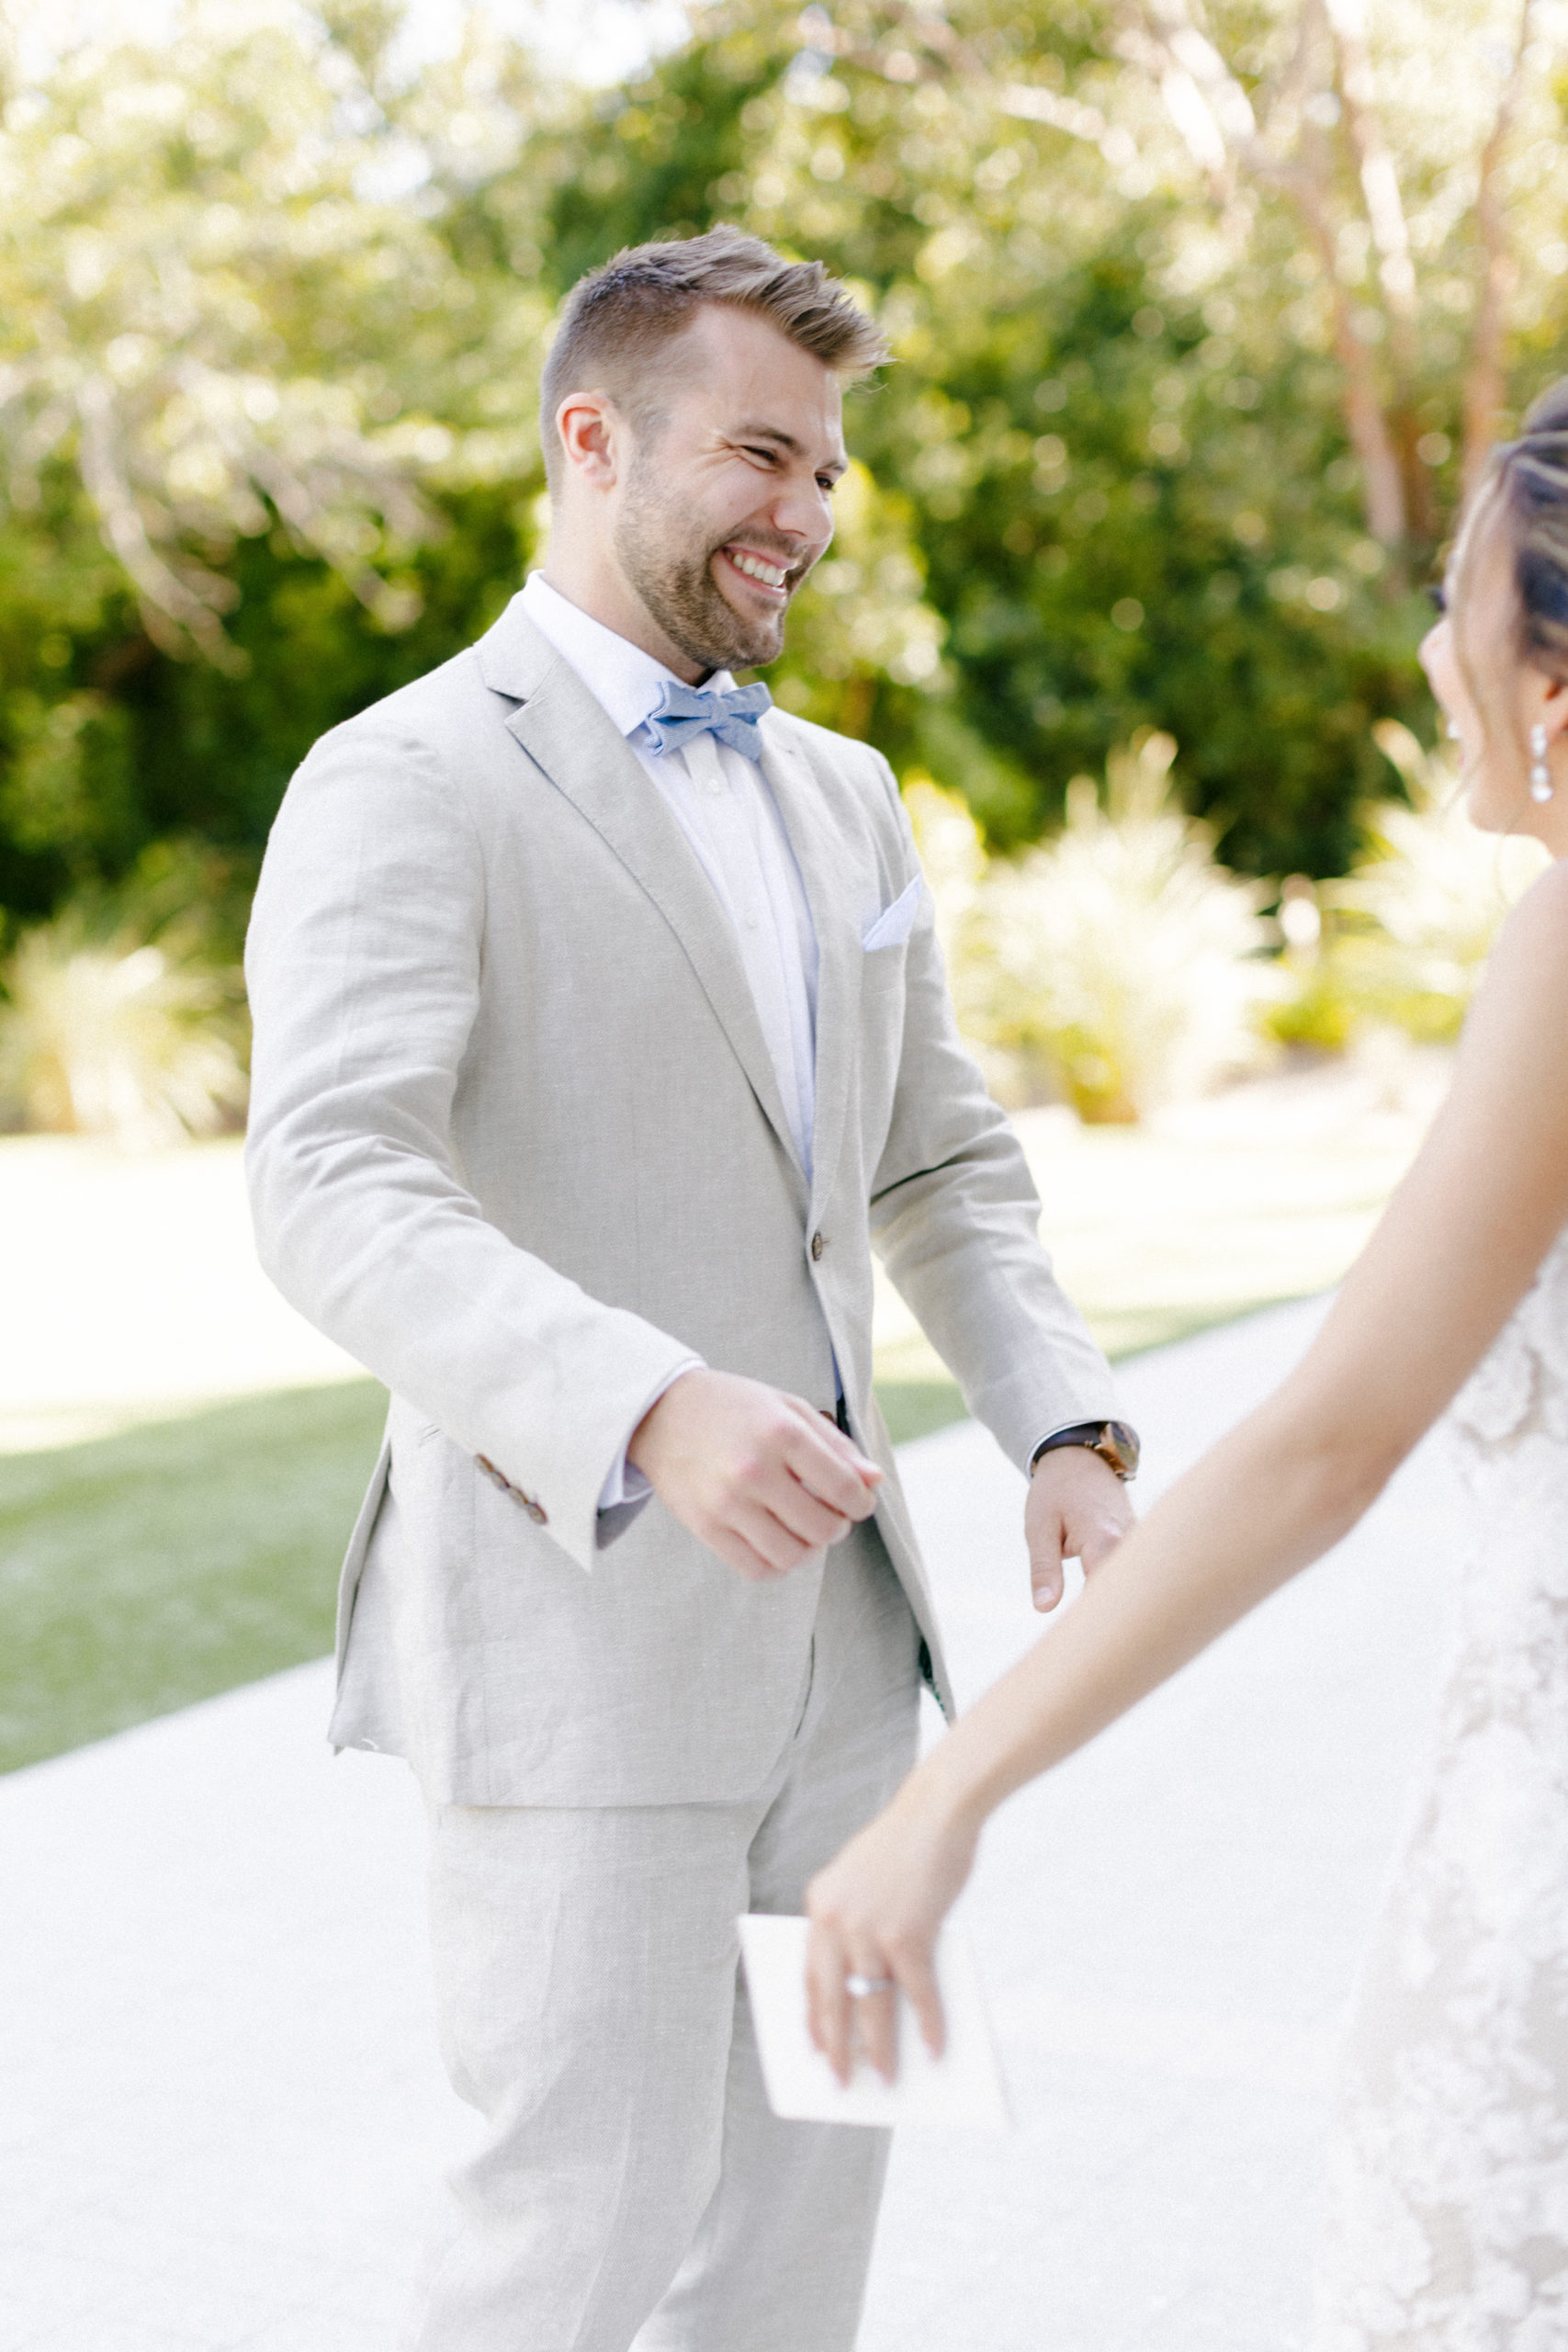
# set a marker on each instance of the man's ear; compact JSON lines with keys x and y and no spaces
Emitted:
{"x":589,"y":434}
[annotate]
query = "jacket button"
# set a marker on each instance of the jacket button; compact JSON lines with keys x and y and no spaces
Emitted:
{"x":818,"y":1246}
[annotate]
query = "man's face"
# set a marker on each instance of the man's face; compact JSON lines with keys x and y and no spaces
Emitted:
{"x":726,"y":503}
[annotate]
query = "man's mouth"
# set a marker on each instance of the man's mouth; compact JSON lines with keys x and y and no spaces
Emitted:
{"x":762,"y":571}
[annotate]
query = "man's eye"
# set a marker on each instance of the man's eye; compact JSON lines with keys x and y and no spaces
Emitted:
{"x":769,"y":456}
{"x":828,"y":482}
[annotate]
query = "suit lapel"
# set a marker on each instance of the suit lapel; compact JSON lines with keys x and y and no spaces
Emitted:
{"x":567,"y":734}
{"x":814,"y":839}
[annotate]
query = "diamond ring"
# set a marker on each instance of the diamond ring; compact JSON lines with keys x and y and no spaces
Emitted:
{"x":859,"y":1988}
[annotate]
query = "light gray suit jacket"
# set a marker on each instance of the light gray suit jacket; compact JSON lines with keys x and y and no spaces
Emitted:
{"x":517,"y":1145}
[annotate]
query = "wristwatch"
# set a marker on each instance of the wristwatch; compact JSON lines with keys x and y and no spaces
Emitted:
{"x":1114,"y":1443}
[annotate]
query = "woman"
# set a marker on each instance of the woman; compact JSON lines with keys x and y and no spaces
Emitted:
{"x":1450,"y":2225}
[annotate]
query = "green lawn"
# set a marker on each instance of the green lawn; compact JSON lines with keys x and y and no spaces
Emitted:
{"x":144,"y":1571}
{"x":176,"y":1559}
{"x":147,"y":1570}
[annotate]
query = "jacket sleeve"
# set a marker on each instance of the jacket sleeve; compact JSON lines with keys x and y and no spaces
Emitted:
{"x":364,"y":964}
{"x":955,"y":1219}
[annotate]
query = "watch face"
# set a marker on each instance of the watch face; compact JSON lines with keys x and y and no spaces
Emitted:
{"x":1119,"y":1444}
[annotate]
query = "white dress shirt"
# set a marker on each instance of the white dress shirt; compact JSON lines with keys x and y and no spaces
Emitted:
{"x":722,"y":803}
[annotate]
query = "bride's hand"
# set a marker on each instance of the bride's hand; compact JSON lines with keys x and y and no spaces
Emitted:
{"x":874,"y":1913}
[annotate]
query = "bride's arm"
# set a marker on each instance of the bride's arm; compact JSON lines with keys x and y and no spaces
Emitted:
{"x":1455,"y":1251}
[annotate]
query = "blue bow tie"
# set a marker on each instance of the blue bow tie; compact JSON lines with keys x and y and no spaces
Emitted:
{"x":732,"y":716}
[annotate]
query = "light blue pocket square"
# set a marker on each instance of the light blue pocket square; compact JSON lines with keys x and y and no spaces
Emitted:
{"x":894,"y":923}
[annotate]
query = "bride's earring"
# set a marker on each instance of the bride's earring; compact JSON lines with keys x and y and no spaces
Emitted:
{"x":1541,"y":774}
{"x":1451,"y":730}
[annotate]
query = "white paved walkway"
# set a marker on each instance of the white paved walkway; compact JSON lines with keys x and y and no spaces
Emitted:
{"x":219,"y":2100}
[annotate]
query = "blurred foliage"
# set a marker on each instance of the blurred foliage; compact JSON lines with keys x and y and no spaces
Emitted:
{"x":267,"y":435}
{"x":212,"y":310}
{"x":1403,"y":941}
{"x":1117,"y":966}
{"x":1117,"y":962}
{"x":272,"y":308}
{"x":1130,"y":964}
{"x":119,"y":1017}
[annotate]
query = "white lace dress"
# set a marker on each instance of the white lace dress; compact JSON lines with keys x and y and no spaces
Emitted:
{"x":1448,"y":2188}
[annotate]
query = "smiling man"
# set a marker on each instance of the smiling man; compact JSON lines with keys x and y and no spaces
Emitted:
{"x":600,"y":1029}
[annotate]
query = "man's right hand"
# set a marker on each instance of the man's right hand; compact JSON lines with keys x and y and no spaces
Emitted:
{"x":756,"y":1474}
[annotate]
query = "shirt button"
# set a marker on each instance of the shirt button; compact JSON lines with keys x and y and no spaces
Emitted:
{"x":818,"y":1246}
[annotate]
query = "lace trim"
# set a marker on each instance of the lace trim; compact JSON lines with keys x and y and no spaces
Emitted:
{"x":1449,"y":2187}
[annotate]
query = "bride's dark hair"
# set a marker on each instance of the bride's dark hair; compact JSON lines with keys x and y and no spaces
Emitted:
{"x":1525,"y":488}
{"x":1522,"y":495}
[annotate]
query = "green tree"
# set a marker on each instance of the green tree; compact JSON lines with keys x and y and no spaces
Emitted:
{"x":1195,"y":320}
{"x":1127,"y":492}
{"x":1169,"y":300}
{"x":268,"y":442}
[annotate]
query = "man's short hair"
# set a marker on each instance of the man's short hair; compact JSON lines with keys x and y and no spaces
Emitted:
{"x":617,"y":318}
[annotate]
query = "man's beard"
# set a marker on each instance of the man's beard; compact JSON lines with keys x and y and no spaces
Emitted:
{"x":678,"y":590}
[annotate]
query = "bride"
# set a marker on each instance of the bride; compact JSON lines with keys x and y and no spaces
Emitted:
{"x":1449,"y":2204}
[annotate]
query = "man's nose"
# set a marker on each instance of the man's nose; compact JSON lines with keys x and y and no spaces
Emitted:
{"x":800,"y":511}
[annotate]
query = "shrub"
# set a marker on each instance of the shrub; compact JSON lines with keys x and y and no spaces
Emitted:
{"x":1128,"y":963}
{"x":1409,"y":933}
{"x":108,"y":1031}
{"x":1417,"y":920}
{"x":1117,"y":966}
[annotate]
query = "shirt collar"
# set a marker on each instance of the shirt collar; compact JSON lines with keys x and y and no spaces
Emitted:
{"x":625,"y":682}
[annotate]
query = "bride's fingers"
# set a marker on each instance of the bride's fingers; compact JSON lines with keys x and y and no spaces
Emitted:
{"x":917,"y":1981}
{"x":828,"y":1999}
{"x":847,"y":2023}
{"x":874,"y":2024}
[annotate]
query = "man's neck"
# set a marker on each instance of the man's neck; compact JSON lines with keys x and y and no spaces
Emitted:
{"x":598,"y":589}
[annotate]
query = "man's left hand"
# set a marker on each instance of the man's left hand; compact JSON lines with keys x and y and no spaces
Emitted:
{"x":1078,"y":1509}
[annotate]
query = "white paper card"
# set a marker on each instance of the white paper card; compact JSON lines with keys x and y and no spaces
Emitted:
{"x":962,"y":2087}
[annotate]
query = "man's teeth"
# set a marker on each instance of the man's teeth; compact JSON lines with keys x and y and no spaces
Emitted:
{"x":771,"y":575}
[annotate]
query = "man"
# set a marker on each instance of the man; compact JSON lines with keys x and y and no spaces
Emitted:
{"x":599,"y":1026}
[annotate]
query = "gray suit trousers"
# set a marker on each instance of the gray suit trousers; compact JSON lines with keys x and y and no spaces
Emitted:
{"x":633,"y":2187}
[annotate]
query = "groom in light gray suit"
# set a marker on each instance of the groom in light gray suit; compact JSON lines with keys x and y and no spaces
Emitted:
{"x":600,"y":1033}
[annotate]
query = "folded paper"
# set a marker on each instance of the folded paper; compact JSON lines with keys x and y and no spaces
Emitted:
{"x":963,"y":2087}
